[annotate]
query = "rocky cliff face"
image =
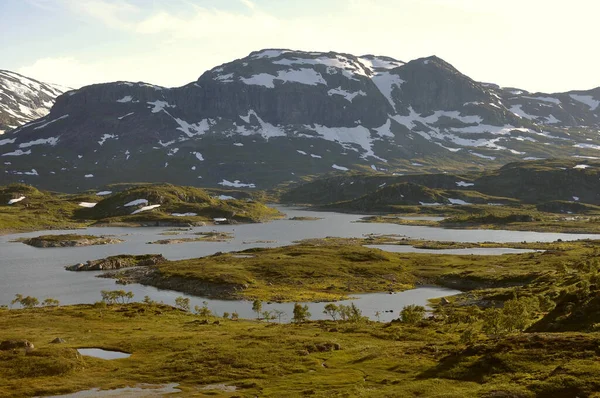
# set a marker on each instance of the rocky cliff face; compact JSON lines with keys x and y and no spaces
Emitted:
{"x":23,"y":99}
{"x":278,"y":115}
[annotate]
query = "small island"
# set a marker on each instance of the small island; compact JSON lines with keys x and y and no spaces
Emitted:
{"x":69,"y":240}
{"x":203,"y":237}
{"x":118,"y":262}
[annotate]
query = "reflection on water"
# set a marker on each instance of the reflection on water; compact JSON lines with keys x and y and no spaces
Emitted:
{"x":141,"y":390}
{"x":40,"y":272}
{"x":103,"y":354}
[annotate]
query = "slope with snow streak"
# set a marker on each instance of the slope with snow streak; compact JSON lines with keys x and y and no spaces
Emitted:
{"x":23,"y":99}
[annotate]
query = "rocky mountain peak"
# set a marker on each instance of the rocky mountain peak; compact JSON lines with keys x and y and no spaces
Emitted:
{"x":23,"y":99}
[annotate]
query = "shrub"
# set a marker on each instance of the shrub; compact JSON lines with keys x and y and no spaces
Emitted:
{"x":412,"y":314}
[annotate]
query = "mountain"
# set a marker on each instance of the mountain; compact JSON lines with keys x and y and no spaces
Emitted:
{"x":278,"y":115}
{"x":23,"y":99}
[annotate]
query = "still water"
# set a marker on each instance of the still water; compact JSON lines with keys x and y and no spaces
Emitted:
{"x":40,"y":272}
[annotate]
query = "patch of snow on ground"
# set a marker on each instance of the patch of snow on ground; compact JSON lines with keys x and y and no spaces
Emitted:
{"x":159,"y":105}
{"x":50,"y":122}
{"x":225,"y":197}
{"x":87,"y":204}
{"x":312,"y":155}
{"x":103,"y":193}
{"x":386,"y":82}
{"x":126,"y":98}
{"x":267,"y":130}
{"x":193,"y":129}
{"x":106,"y":137}
{"x":238,"y":144}
{"x":464,"y":184}
{"x":385,"y":130}
{"x":532,"y":158}
{"x":552,"y":120}
{"x":346,"y":136}
{"x":458,"y":202}
{"x":13,"y":201}
{"x":303,"y":76}
{"x":430,"y":204}
{"x":18,"y":152}
{"x":342,"y":168}
{"x":137,"y":202}
{"x":374,"y":167}
{"x":124,"y":116}
{"x":587,"y":100}
{"x":145,"y":208}
{"x":483,"y":156}
{"x":517,"y":110}
{"x":582,"y":166}
{"x":7,"y":141}
{"x":236,"y":184}
{"x":588,"y":146}
{"x":42,"y":141}
{"x":346,"y":94}
{"x":301,"y":152}
{"x":270,"y":53}
{"x":576,"y":198}
{"x":184,"y":214}
{"x":544,"y":99}
{"x":228,"y":78}
{"x":88,"y":175}
{"x":198,"y":156}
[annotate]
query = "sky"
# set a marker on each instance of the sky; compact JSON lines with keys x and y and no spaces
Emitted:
{"x":537,"y":45}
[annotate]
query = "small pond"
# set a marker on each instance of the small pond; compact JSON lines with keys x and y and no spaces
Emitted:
{"x":103,"y":354}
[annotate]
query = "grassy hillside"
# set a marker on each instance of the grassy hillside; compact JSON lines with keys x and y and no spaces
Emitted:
{"x":24,"y":208}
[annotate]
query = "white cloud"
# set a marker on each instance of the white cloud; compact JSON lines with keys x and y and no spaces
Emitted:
{"x":483,"y":39}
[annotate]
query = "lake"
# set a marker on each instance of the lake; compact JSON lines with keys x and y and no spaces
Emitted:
{"x":40,"y":272}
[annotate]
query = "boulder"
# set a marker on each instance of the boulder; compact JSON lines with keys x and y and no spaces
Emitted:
{"x":58,"y":340}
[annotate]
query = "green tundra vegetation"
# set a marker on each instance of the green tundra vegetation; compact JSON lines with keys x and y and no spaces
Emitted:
{"x":25,"y":208}
{"x":528,"y":328}
{"x":334,"y":269}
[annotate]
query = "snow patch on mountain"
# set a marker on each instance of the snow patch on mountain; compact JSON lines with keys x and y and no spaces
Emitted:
{"x":267,"y":130}
{"x":145,"y":208}
{"x":587,"y":100}
{"x":303,"y":76}
{"x":18,"y":152}
{"x":50,"y":122}
{"x":342,"y":168}
{"x":42,"y":141}
{"x":159,"y":105}
{"x":193,"y":129}
{"x":386,"y":82}
{"x":125,"y":99}
{"x":543,"y":99}
{"x":106,"y":137}
{"x":236,"y":184}
{"x":349,"y":96}
{"x":17,"y":200}
{"x":137,"y":202}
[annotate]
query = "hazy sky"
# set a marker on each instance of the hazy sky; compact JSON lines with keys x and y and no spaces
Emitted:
{"x":538,"y":45}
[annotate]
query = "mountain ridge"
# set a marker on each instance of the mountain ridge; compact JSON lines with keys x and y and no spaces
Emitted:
{"x":280,"y":115}
{"x":23,"y":99}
